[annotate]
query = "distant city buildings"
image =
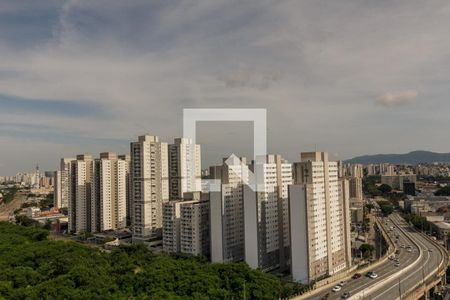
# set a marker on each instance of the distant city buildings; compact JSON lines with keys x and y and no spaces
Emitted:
{"x":396,"y":181}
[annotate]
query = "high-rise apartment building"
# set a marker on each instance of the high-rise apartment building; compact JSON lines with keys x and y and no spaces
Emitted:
{"x":186,"y":225}
{"x":266,"y":214}
{"x":356,"y":190}
{"x":319,"y":225}
{"x":227,"y":211}
{"x":61,"y":187}
{"x":109,"y":193}
{"x":150,"y":189}
{"x":129,"y":204}
{"x":80,"y":189}
{"x":356,"y":170}
{"x":184,"y":168}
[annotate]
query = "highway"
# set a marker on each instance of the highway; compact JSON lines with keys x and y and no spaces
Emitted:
{"x":392,"y":280}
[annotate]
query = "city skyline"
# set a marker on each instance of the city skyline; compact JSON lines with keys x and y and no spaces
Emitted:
{"x":83,"y":76}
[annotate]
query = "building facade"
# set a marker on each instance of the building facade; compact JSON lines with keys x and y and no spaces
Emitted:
{"x":109,"y":193}
{"x":319,"y":219}
{"x":185,"y":167}
{"x":227,"y":211}
{"x":266,"y":217}
{"x":149,"y":183}
{"x":62,"y":182}
{"x":186,"y":225}
{"x":80,"y":189}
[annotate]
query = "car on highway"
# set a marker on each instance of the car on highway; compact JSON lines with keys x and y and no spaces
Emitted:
{"x":345,"y":295}
{"x":397,"y":264}
{"x":356,"y":276}
{"x":325,"y":297}
{"x":342,"y":283}
{"x":336,"y":289}
{"x":372,"y":275}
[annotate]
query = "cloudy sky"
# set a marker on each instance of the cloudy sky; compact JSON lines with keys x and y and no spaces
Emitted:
{"x":349,"y":77}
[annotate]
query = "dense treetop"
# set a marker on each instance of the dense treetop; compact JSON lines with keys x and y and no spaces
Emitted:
{"x":33,"y":267}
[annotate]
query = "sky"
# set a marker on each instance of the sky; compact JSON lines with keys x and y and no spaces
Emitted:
{"x":350,"y":77}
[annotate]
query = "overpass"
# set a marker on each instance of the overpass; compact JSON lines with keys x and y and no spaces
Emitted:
{"x":421,"y":269}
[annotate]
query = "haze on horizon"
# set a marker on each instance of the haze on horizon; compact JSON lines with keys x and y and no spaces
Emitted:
{"x":348,"y":77}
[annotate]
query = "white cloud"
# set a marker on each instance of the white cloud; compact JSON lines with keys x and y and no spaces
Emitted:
{"x":398,"y":98}
{"x":306,"y":62}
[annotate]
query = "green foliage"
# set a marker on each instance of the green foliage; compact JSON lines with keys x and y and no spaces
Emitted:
{"x":386,"y":207}
{"x":46,"y":203}
{"x":369,"y":207}
{"x":433,"y":179}
{"x":418,"y":221}
{"x":25,"y":221}
{"x":36,"y":268}
{"x":385,"y":188}
{"x":369,"y":185}
{"x":8,"y":194}
{"x":367,"y":250}
{"x":445,"y":191}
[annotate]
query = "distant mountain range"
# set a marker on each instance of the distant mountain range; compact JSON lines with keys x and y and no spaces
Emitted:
{"x":412,"y":158}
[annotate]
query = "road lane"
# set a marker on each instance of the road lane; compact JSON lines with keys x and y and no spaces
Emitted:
{"x":367,"y":288}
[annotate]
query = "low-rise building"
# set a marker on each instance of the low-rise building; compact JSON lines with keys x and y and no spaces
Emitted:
{"x":443,"y":229}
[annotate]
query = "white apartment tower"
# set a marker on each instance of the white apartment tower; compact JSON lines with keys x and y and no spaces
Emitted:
{"x":184,"y":168}
{"x":150,"y":189}
{"x":267,"y":215}
{"x":80,"y":189}
{"x":57,"y":189}
{"x":62,"y":182}
{"x":227,"y":211}
{"x":319,"y":219}
{"x":109,"y":193}
{"x":129,"y":205}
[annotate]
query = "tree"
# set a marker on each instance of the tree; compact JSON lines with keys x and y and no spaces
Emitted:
{"x":387,"y":209}
{"x":366,"y":250}
{"x":32,"y":267}
{"x":369,"y":207}
{"x":445,"y":191}
{"x":385,"y":189}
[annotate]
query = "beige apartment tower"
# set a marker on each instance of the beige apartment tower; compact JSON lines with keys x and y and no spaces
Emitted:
{"x":109,"y":193}
{"x":319,"y":219}
{"x":80,"y":189}
{"x":150,"y":189}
